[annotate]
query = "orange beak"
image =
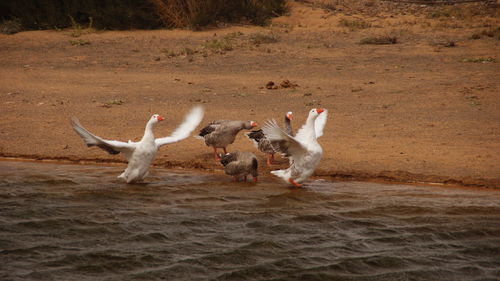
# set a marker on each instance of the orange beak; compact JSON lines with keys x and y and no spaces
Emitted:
{"x":290,"y":116}
{"x":319,"y":110}
{"x":253,"y":124}
{"x":159,"y":118}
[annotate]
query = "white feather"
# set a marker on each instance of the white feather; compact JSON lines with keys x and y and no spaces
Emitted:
{"x":141,"y":154}
{"x":191,"y":121}
{"x":304,"y":150}
{"x":90,"y":139}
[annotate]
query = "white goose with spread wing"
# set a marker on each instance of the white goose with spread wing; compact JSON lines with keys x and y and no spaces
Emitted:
{"x":304,"y":150}
{"x":141,"y":154}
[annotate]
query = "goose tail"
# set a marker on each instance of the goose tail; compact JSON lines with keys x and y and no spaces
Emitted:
{"x":284,"y":174}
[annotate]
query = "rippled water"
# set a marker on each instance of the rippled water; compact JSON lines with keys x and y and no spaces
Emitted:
{"x":70,"y":222}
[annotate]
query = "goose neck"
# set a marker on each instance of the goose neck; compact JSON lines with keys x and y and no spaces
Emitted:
{"x":148,"y":131}
{"x":311,"y":133}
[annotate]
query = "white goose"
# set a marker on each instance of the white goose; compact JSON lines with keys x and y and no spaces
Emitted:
{"x":304,"y":149}
{"x":141,"y":154}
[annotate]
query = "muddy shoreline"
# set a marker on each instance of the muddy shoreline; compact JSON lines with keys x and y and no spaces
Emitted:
{"x":394,"y":177}
{"x":420,"y":110}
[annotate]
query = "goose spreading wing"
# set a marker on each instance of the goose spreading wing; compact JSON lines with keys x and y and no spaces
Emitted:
{"x":141,"y":154}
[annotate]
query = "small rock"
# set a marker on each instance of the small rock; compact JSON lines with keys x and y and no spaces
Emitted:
{"x":270,"y":85}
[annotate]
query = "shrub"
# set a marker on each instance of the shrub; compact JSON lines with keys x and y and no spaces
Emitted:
{"x":354,"y":23}
{"x":79,"y":42}
{"x":219,"y":46}
{"x":109,"y":14}
{"x":198,"y":13}
{"x":457,"y":12}
{"x":379,"y":40}
{"x":138,"y":14}
{"x":259,"y":38}
{"x":11,"y":26}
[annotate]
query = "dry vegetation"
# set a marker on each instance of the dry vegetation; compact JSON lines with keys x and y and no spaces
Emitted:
{"x":221,"y":45}
{"x":380,"y":7}
{"x":11,"y":26}
{"x":200,"y":13}
{"x":139,"y":14}
{"x":354,"y":24}
{"x":379,"y":40}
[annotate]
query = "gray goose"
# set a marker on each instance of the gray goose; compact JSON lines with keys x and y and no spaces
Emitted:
{"x":221,"y":133}
{"x":240,"y":164}
{"x":263,"y":144}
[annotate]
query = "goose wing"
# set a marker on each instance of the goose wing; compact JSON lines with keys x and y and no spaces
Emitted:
{"x":282,"y":141}
{"x":111,"y":146}
{"x":236,"y":168}
{"x":210,"y":128}
{"x":240,"y":163}
{"x":256,"y":136}
{"x":191,"y":121}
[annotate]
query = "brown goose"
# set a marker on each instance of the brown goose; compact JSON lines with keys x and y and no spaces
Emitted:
{"x":221,"y":133}
{"x":240,"y":164}
{"x":263,"y":144}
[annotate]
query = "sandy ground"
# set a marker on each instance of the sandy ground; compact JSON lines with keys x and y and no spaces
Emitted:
{"x":415,"y":111}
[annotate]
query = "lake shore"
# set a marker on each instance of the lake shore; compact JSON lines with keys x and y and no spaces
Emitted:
{"x":415,"y":111}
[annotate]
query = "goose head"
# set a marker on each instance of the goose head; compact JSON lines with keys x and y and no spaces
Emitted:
{"x":155,"y":119}
{"x":249,"y":125}
{"x":315,"y":112}
{"x":228,"y":157}
{"x":289,"y":115}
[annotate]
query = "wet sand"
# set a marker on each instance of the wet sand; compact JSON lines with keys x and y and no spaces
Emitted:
{"x":415,"y":111}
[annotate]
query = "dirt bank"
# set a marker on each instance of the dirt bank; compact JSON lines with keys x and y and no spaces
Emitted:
{"x":425,"y":109}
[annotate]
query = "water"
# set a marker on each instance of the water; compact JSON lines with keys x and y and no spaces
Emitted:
{"x":70,"y":222}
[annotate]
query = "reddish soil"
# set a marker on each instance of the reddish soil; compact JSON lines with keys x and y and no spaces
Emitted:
{"x":416,"y":111}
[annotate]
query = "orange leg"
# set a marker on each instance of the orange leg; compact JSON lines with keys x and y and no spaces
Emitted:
{"x":294,"y":182}
{"x":255,"y":179}
{"x":217,"y":158}
{"x":270,"y":159}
